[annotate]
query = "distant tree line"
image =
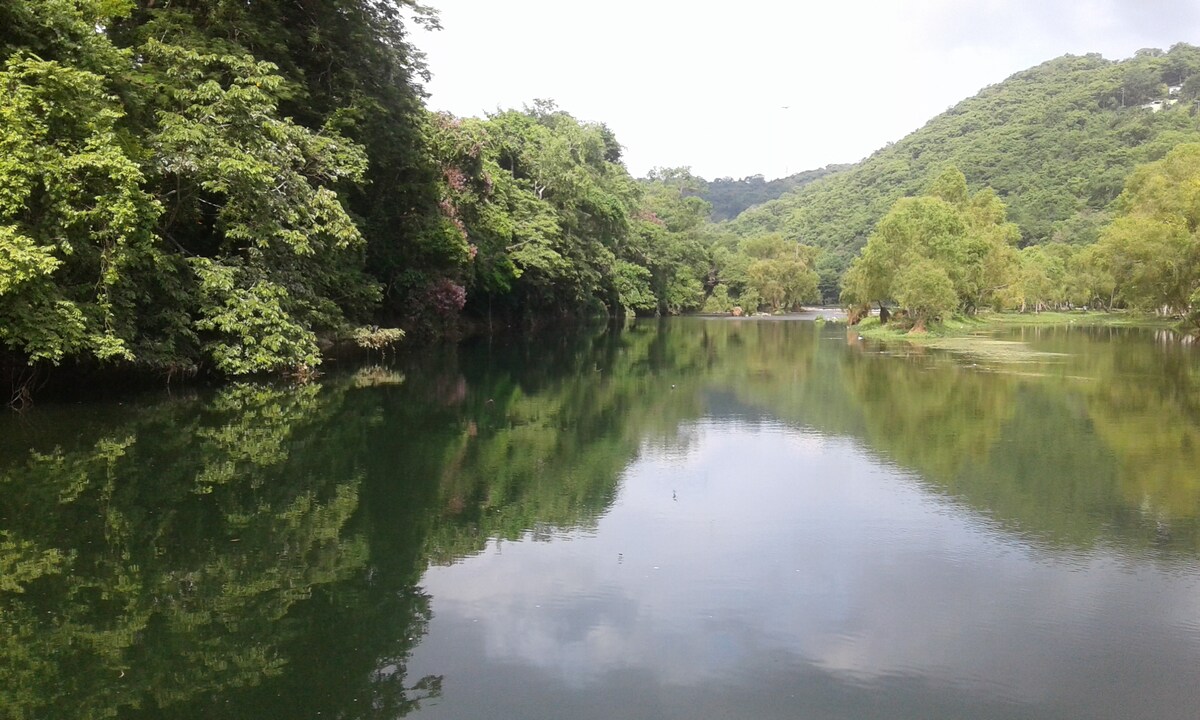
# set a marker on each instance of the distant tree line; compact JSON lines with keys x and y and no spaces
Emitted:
{"x":950,"y":252}
{"x":729,"y":197}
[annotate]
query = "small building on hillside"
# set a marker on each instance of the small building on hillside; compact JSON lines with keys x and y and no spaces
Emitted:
{"x":1156,"y":105}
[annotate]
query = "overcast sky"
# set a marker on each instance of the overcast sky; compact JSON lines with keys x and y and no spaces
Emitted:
{"x":766,"y":86}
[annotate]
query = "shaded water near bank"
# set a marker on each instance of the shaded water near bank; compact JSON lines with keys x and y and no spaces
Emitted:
{"x":698,"y":518}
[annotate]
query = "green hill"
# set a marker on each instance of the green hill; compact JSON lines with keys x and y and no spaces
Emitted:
{"x":1055,"y":142}
{"x":729,"y":197}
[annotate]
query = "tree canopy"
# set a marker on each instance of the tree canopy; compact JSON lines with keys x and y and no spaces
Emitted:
{"x":1152,"y":247}
{"x":936,"y":254}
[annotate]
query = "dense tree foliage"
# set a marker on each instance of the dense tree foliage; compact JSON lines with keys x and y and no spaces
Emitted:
{"x":1152,"y":248}
{"x":229,"y":185}
{"x":1147,"y":257}
{"x":202,"y":184}
{"x":940,"y":253}
{"x":165,"y":201}
{"x":541,"y":205}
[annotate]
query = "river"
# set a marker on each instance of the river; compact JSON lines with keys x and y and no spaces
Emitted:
{"x":692,"y":518}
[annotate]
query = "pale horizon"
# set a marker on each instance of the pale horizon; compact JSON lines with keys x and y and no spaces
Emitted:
{"x":768,"y":90}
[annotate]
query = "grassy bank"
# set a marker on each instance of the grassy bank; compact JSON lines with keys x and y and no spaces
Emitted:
{"x":955,"y":327}
{"x":974,"y":336}
{"x":959,"y":326}
{"x":1120,"y":318}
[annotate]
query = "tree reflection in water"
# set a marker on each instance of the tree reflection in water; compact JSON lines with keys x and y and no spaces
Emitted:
{"x":258,"y":553}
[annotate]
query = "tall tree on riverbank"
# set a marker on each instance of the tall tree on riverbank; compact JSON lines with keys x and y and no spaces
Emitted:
{"x":943,"y":252}
{"x":541,"y":205}
{"x":1152,"y":247}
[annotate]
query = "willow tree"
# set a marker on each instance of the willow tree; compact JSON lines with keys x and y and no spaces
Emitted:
{"x":944,"y":252}
{"x":1152,"y":246}
{"x":780,"y":271}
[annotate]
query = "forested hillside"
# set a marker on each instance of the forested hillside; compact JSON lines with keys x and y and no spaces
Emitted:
{"x":1055,"y":142}
{"x":730,"y":197}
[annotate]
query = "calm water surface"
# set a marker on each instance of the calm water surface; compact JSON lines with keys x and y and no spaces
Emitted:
{"x":691,"y":519}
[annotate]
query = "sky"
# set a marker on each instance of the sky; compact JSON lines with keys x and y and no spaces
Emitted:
{"x":766,"y":87}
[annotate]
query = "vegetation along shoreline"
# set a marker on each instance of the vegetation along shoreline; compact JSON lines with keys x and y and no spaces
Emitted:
{"x":220,"y":191}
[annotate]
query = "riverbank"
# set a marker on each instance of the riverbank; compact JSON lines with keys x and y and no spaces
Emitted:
{"x":959,"y":326}
{"x":976,"y":337}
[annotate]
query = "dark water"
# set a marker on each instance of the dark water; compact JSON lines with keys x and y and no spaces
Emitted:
{"x":699,"y":519}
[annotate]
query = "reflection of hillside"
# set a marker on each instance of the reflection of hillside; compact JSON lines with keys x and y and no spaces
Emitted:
{"x":1098,"y":443}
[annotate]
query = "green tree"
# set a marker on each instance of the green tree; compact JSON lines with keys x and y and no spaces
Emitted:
{"x":1090,"y":279}
{"x":926,"y":291}
{"x":915,"y":229}
{"x":1040,"y":281}
{"x":633,"y":287}
{"x":1141,"y":84}
{"x":673,"y":238}
{"x":965,"y":236}
{"x":346,"y":67}
{"x":74,"y":218}
{"x":283,"y":246}
{"x":766,"y":269}
{"x":157,"y":205}
{"x":1152,"y":248}
{"x":540,"y":205}
{"x":784,"y":282}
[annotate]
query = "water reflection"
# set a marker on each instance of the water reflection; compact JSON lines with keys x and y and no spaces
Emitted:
{"x":793,"y":571}
{"x":685,"y":519}
{"x":823,"y":526}
{"x":184,"y":554}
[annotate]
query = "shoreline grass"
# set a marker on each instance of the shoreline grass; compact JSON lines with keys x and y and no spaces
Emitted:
{"x":1083,"y":318}
{"x":975,"y":336}
{"x":960,"y":326}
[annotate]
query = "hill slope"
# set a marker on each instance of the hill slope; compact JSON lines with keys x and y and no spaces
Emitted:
{"x":1056,"y":142}
{"x":730,"y":197}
